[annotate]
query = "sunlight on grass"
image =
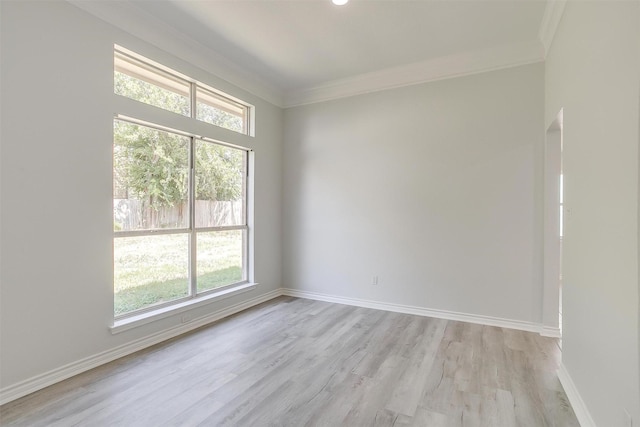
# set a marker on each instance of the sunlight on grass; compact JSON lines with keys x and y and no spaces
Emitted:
{"x":150,"y":270}
{"x":218,"y":251}
{"x":142,"y":260}
{"x":158,"y":292}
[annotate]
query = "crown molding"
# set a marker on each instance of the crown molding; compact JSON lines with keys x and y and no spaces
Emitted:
{"x":131,"y":19}
{"x":552,"y":15}
{"x":446,"y":67}
{"x":135,"y":21}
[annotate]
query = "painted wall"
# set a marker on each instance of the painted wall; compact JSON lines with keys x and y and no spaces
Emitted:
{"x":56,"y":133}
{"x":433,"y":188}
{"x":436,"y":189}
{"x":593,"y":73}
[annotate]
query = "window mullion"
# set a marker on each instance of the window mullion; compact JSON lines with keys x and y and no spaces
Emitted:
{"x":192,"y":99}
{"x":245,"y":179}
{"x":193,"y":244}
{"x":193,"y":238}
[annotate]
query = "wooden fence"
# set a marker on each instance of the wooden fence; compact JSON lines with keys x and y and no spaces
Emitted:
{"x":132,"y":214}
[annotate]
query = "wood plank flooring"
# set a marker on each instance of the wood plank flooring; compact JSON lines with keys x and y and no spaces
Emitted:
{"x":297,"y":362}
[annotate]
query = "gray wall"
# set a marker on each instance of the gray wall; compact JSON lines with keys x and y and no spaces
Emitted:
{"x":56,"y":133}
{"x":593,"y":74}
{"x":435,"y":188}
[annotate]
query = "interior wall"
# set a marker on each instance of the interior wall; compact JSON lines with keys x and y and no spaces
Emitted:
{"x":434,"y":188}
{"x":56,"y":226}
{"x":592,"y":73}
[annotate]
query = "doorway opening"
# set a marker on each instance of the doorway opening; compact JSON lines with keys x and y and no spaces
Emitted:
{"x":553,"y":229}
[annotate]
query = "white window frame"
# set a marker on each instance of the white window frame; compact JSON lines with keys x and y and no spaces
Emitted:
{"x":165,"y":77}
{"x":195,"y":299}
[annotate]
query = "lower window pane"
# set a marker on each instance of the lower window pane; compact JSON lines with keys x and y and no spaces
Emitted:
{"x":219,"y":258}
{"x":149,"y":270}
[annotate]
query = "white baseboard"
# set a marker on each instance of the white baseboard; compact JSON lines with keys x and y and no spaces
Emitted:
{"x":38,"y":382}
{"x":420,"y":311}
{"x":578,"y":405}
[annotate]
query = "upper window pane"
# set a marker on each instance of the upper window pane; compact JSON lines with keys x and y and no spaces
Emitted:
{"x":220,"y":174}
{"x":220,"y":111}
{"x":150,"y":178}
{"x":143,"y":82}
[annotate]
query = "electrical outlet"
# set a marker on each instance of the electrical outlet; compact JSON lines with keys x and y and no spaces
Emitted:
{"x":374,"y":281}
{"x":185,"y":318}
{"x":628,"y":419}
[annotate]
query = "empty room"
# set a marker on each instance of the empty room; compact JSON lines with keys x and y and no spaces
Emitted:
{"x":320,"y":213}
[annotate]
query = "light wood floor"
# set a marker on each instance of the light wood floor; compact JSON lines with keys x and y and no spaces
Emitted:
{"x":297,"y":362}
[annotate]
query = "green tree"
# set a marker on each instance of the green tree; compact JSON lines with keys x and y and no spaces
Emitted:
{"x":151,"y":94}
{"x":219,"y":172}
{"x":218,"y":117}
{"x":152,"y":165}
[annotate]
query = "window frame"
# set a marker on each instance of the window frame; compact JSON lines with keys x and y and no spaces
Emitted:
{"x":192,"y":230}
{"x":246,"y":113}
{"x":194,"y":133}
{"x":248,"y":110}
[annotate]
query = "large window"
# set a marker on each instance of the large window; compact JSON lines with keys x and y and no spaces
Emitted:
{"x":179,"y":200}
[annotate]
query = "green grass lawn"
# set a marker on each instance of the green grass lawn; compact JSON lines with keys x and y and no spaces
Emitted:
{"x":150,"y":270}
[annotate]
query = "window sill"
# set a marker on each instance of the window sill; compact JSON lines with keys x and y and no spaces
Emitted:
{"x":164,"y":312}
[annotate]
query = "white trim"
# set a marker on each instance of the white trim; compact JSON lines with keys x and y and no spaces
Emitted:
{"x":38,"y":382}
{"x":446,"y":67}
{"x":133,"y":20}
{"x":419,"y":311}
{"x":551,"y":245}
{"x":578,"y":405}
{"x":550,"y":331}
{"x":143,"y":25}
{"x":131,"y":322}
{"x":550,"y":21}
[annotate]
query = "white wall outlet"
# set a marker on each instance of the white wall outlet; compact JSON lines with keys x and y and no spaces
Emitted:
{"x":374,"y":281}
{"x":185,"y":318}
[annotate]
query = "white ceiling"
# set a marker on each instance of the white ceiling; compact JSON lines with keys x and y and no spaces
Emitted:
{"x":309,"y":50}
{"x":300,"y":44}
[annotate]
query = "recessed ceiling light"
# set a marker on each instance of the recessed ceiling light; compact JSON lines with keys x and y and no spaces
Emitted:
{"x":339,"y":2}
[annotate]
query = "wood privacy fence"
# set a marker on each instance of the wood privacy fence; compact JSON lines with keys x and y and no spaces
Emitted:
{"x":133,"y":214}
